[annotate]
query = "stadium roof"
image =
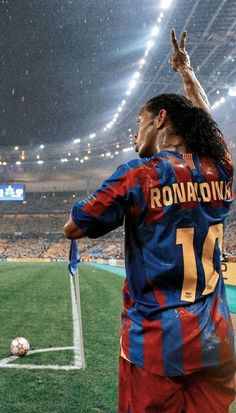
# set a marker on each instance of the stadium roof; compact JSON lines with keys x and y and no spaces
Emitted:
{"x":74,"y":74}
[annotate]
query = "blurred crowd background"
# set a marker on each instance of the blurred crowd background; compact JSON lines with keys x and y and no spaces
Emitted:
{"x":34,"y":229}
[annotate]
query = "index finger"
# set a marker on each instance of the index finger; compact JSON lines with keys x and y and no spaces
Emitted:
{"x":183,"y":38}
{"x":174,"y":41}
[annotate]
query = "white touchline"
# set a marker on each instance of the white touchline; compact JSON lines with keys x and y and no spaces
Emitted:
{"x":77,"y":324}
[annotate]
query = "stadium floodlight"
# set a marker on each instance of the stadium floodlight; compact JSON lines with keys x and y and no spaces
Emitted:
{"x":130,"y":148}
{"x":165,"y":4}
{"x":232,"y":91}
{"x":150,"y":44}
{"x":133,"y":83}
{"x":155,"y":31}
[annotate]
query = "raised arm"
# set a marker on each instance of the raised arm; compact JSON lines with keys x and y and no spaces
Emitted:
{"x":180,"y":62}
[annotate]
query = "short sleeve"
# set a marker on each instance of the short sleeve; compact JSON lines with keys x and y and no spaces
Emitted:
{"x":104,"y":210}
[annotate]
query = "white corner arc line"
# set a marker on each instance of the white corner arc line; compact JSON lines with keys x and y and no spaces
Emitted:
{"x":4,"y":363}
{"x":39,"y":367}
{"x":79,"y":362}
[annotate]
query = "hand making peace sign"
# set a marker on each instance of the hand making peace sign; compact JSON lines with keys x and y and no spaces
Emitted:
{"x":179,"y":57}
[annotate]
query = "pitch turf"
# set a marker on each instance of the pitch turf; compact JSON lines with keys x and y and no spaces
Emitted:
{"x":35,"y":302}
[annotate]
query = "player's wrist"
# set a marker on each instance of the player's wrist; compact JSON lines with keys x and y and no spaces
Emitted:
{"x":187,"y":74}
{"x":185,"y":70}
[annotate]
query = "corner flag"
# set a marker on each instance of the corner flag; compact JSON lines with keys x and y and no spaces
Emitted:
{"x":74,"y":259}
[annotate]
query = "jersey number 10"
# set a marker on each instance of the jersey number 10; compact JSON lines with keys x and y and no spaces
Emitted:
{"x":185,"y":237}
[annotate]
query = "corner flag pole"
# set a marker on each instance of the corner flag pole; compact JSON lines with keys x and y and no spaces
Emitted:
{"x":74,"y":258}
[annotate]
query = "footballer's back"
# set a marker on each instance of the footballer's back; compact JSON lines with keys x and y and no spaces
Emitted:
{"x":177,"y":235}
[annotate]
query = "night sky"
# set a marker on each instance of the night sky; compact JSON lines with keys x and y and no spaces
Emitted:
{"x":66,"y":65}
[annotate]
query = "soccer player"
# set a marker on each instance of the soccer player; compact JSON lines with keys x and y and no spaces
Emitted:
{"x":176,"y":350}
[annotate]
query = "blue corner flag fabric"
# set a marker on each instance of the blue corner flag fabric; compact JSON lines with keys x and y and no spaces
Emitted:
{"x":74,"y":258}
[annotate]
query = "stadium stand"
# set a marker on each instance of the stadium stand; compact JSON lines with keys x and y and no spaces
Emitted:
{"x":34,"y":229}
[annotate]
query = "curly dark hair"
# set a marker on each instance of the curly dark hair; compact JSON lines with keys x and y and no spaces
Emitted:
{"x":199,"y":131}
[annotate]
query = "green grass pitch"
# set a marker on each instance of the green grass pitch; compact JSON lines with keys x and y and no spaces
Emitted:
{"x":35,"y":302}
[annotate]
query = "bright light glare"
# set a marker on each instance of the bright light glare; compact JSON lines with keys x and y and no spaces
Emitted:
{"x":150,"y":44}
{"x":232,"y":91}
{"x":218,"y":103}
{"x":132,"y":84}
{"x":77,"y":140}
{"x":41,"y":146}
{"x":155,"y":31}
{"x":165,"y":4}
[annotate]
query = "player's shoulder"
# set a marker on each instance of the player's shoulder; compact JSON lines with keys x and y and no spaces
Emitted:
{"x":130,"y":166}
{"x":136,"y":166}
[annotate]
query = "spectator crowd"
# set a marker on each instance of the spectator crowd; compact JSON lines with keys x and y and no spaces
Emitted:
{"x":35,"y":230}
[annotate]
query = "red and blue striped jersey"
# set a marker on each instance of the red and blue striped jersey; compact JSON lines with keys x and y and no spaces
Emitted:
{"x":175,"y":318}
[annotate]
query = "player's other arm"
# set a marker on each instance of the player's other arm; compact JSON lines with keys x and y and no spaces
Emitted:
{"x":180,"y":62}
{"x":72,"y":231}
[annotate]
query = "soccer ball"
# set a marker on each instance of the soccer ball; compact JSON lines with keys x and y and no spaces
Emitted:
{"x":20,"y":346}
